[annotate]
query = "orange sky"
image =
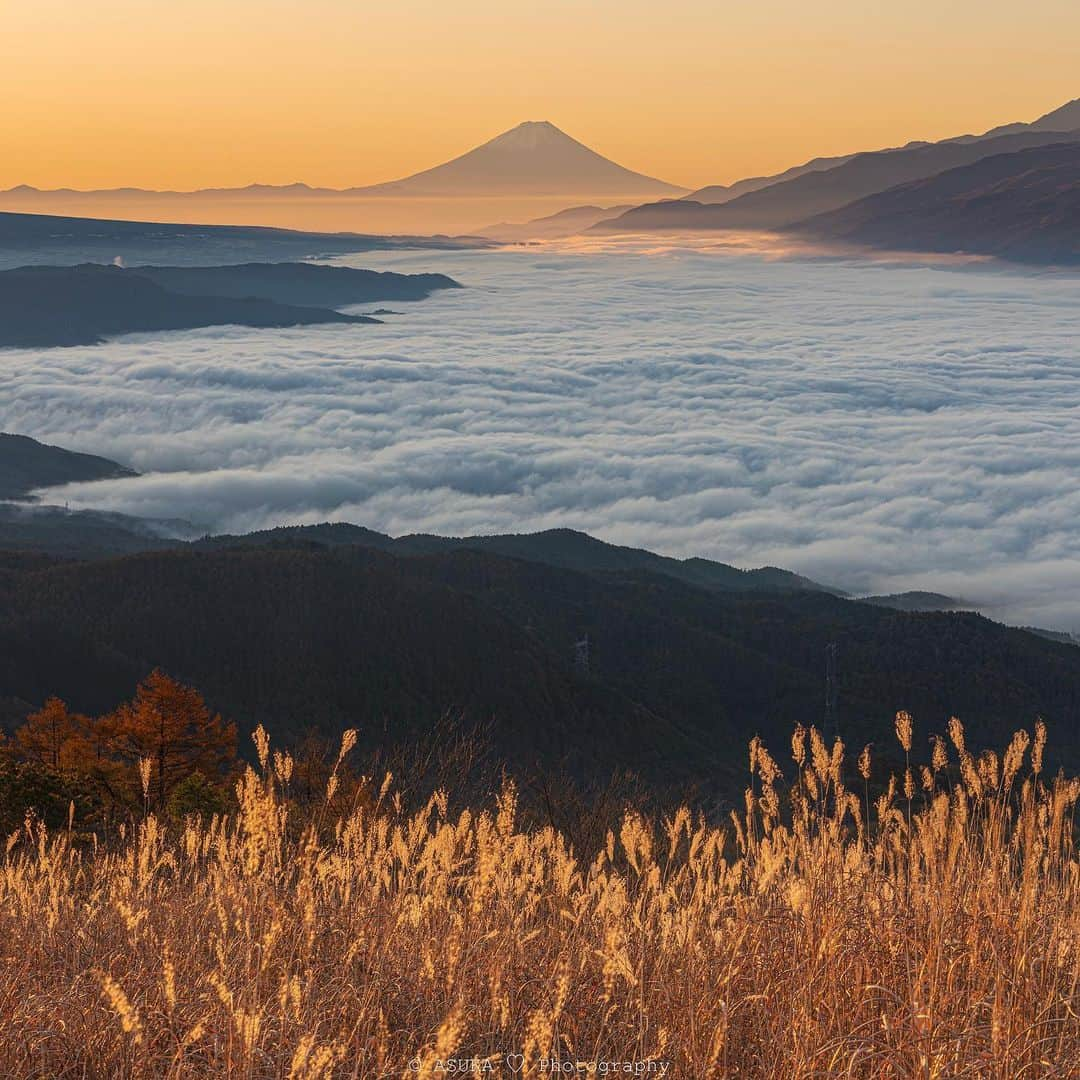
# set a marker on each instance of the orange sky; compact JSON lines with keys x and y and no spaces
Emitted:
{"x":105,"y":93}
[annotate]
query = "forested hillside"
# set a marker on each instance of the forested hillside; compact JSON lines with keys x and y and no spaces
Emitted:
{"x":676,"y":674}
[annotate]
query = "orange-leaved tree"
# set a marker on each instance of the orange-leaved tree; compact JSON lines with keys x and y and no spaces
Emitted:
{"x":54,"y":737}
{"x":169,"y":726}
{"x":73,"y":747}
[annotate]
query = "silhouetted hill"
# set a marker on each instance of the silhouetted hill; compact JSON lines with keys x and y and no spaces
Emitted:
{"x":301,"y":639}
{"x":678,"y":676}
{"x":1065,"y":118}
{"x":567,"y":222}
{"x":1053,"y":635}
{"x":89,"y":533}
{"x":62,"y":533}
{"x":917,"y":601}
{"x":47,"y":530}
{"x":723,"y":193}
{"x":307,"y":284}
{"x":565,"y":548}
{"x":533,"y":158}
{"x":574,"y":550}
{"x":811,"y":193}
{"x":81,"y":305}
{"x":26,"y":464}
{"x":44,"y":238}
{"x":1023,"y":206}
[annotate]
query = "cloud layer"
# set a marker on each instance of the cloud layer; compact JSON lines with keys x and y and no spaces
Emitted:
{"x":878,"y":426}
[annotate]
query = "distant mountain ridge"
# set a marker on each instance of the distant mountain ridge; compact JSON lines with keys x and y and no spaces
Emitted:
{"x":82,"y":305}
{"x":783,"y":204}
{"x":723,"y":193}
{"x":1021,"y":206}
{"x":564,"y":548}
{"x":1064,"y":119}
{"x":297,"y":283}
{"x":44,"y":306}
{"x":533,"y":158}
{"x":829,"y":183}
{"x":568,"y":222}
{"x":26,"y":464}
{"x":45,"y":238}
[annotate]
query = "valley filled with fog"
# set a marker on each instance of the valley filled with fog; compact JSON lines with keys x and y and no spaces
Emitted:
{"x":876,"y":426}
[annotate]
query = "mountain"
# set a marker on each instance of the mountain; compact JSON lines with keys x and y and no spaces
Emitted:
{"x":296,"y":635}
{"x":44,"y":238}
{"x":34,"y":529}
{"x":564,"y":548}
{"x":811,"y":193}
{"x":26,"y":464}
{"x":917,"y":601}
{"x":50,"y":531}
{"x":43,"y":306}
{"x":534,"y":158}
{"x":296,"y":283}
{"x":1023,"y":206}
{"x":1066,"y":118}
{"x":723,"y":193}
{"x":332,"y":625}
{"x":569,"y":222}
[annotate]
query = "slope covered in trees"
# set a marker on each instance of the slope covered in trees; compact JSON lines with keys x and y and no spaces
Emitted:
{"x":156,"y":752}
{"x":350,"y":636}
{"x":309,"y":284}
{"x":26,"y":464}
{"x":81,"y":305}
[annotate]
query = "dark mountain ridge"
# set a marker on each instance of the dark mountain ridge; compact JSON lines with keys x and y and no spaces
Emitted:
{"x":564,"y":548}
{"x":47,"y":238}
{"x":336,"y":625}
{"x":1022,"y":206}
{"x":26,"y":464}
{"x":43,"y":306}
{"x":308,"y":284}
{"x":677,"y":676}
{"x":815,"y":192}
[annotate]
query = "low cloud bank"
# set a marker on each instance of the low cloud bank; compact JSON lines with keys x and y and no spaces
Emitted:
{"x":878,"y":427}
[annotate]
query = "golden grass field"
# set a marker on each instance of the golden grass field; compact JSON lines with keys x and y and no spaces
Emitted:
{"x":931,"y":931}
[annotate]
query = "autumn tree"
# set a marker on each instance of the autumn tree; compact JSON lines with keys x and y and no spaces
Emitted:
{"x":53,"y":737}
{"x":59,"y":751}
{"x":169,"y":725}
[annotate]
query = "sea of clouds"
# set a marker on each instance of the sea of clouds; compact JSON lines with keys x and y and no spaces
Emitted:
{"x":877,"y":426}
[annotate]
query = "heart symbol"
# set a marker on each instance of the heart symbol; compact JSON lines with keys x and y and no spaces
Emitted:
{"x":515,"y":1062}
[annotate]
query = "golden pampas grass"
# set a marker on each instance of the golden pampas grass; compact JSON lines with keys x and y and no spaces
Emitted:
{"x":798,"y":936}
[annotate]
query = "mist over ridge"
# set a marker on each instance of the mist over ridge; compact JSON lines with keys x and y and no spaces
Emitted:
{"x":877,"y":427}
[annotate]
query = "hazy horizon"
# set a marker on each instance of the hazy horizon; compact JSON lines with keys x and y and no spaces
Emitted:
{"x":531,"y":171}
{"x":120,"y":94}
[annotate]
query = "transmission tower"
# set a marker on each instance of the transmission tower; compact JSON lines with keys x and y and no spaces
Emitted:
{"x":581,"y":655}
{"x":832,"y":720}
